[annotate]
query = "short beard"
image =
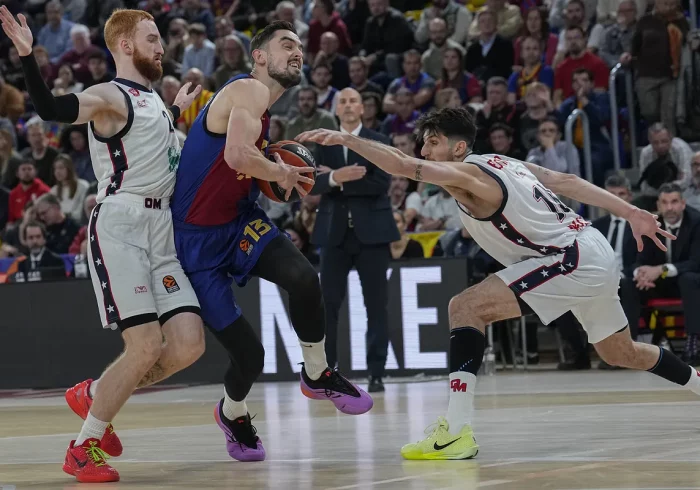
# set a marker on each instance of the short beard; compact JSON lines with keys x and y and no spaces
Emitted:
{"x":147,"y":67}
{"x":284,"y":78}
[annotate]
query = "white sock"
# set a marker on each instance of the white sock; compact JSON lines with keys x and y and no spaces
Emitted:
{"x":93,"y":388}
{"x":314,"y":358}
{"x":693,"y":383}
{"x":233,"y":409}
{"x":461,"y":407}
{"x":92,"y":429}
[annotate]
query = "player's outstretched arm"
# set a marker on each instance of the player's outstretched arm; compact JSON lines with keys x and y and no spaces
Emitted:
{"x":642,"y":222}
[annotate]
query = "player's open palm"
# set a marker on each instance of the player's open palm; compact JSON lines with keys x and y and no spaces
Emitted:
{"x":291,"y":177}
{"x":325,"y":137}
{"x":18,"y":32}
{"x":643,"y":223}
{"x":185,"y":98}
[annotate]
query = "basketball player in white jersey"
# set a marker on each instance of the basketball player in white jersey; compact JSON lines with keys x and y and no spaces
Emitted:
{"x":555,"y":262}
{"x":139,"y":284}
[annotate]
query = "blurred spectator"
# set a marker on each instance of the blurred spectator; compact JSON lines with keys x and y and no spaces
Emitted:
{"x":40,"y":151}
{"x":13,"y":244}
{"x":97,"y":13}
{"x":224,"y":28}
{"x":305,"y":217}
{"x":489,"y":55}
{"x":459,"y":243}
{"x":657,"y":41}
{"x":326,"y":94}
{"x":177,"y":39}
{"x":300,"y":238}
{"x":11,"y":101}
{"x":74,"y":142}
{"x":77,"y":57}
{"x":12,"y":70}
{"x":310,"y":117}
{"x":688,"y":91}
{"x":355,"y":14}
{"x":194,"y":12}
{"x":277,"y":129}
{"x":169,"y":87}
{"x":28,"y":189}
{"x":358,"y":78}
{"x":552,"y":153}
{"x":538,"y":106}
{"x":432,"y":57}
{"x":508,"y":19}
{"x":405,"y":117}
{"x":387,"y":35}
{"x":234,"y":61}
{"x":501,"y":141}
{"x":55,"y":35}
{"x":578,"y":57}
{"x":41,"y":263}
{"x":408,"y":203}
{"x":454,"y":76}
{"x":201,"y":53}
{"x":9,"y":161}
{"x":66,"y":83}
{"x":370,"y":118}
{"x":597,"y":108}
{"x":692,"y":193}
{"x":328,"y":55}
{"x":160,"y":10}
{"x":406,"y":143}
{"x":79,"y":245}
{"x":97,"y":64}
{"x":326,"y":19}
{"x":69,"y":189}
{"x":618,"y":37}
{"x":447,"y":97}
{"x":440,"y":212}
{"x":532,"y":70}
{"x":405,"y":247}
{"x":4,"y":206}
{"x":536,"y":26}
{"x":418,"y":82}
{"x":74,"y":10}
{"x":45,"y":67}
{"x":456,"y":17}
{"x":496,"y":109}
{"x":286,"y":11}
{"x":557,"y":13}
{"x":60,"y":229}
{"x":576,"y":16}
{"x":608,"y":11}
{"x":196,"y":77}
{"x":665,"y":159}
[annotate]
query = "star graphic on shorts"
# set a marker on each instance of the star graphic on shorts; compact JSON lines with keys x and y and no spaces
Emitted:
{"x":98,"y":261}
{"x":503,"y":226}
{"x":543,"y":250}
{"x":569,"y":265}
{"x":562,"y":268}
{"x":95,"y":213}
{"x":104,"y":285}
{"x":113,"y":185}
{"x":110,"y":309}
{"x":521,"y":241}
{"x":92,"y":238}
{"x":545,"y":273}
{"x":523,"y":285}
{"x":117,"y":153}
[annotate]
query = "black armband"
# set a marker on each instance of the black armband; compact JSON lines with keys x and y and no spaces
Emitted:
{"x":175,"y":111}
{"x":60,"y":109}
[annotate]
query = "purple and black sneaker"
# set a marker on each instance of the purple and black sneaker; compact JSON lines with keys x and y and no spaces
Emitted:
{"x":346,"y":396}
{"x":242,"y":443}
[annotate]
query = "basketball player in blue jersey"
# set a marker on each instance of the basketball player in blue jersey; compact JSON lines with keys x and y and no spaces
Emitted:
{"x":222,"y":235}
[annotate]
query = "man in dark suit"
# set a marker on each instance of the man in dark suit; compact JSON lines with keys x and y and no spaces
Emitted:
{"x":490,"y":55}
{"x":41,"y":264}
{"x":676,"y":272}
{"x":354,"y":227}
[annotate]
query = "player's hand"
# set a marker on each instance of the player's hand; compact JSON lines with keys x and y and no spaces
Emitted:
{"x":325,"y":137}
{"x":185,"y":98}
{"x":19,"y":33}
{"x":644,"y":223}
{"x":349,"y":173}
{"x":290,"y":177}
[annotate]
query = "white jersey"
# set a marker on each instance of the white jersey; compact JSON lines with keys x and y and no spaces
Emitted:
{"x":531,"y":222}
{"x":142,"y":158}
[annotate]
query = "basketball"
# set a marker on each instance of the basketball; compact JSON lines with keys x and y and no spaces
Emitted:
{"x":294,"y":154}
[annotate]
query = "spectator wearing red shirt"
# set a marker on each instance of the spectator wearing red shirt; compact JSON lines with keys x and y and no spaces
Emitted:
{"x":325,"y":19}
{"x":28,"y":189}
{"x":578,"y":57}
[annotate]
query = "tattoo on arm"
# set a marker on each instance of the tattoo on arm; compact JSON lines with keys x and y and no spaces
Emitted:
{"x":418,"y":176}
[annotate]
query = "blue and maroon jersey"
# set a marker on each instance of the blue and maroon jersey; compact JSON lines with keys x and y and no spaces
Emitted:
{"x":207,"y":191}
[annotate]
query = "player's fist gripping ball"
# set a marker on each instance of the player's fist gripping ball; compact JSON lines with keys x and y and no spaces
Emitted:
{"x":295,"y":154}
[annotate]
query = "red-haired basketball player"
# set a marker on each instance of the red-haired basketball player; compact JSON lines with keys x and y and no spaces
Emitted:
{"x":138,"y":281}
{"x":222,"y":235}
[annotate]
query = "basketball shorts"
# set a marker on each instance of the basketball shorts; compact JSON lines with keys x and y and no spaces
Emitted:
{"x":134,"y":269}
{"x":215,"y":256}
{"x":584,"y":280}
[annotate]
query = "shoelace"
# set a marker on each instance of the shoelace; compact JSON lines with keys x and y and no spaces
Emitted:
{"x":434,"y":428}
{"x":337,"y":381}
{"x":247,"y":426}
{"x":98,"y":456}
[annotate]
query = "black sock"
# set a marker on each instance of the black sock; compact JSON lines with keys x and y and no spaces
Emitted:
{"x":671,"y":368}
{"x":467,"y":346}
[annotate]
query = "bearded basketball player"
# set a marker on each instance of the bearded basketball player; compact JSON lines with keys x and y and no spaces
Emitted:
{"x":138,"y":281}
{"x":555,"y":261}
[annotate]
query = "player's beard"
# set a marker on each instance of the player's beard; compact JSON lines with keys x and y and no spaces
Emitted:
{"x":283,"y":77}
{"x":147,"y":66}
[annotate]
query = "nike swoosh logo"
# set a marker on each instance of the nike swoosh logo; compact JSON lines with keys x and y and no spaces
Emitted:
{"x":438,"y":447}
{"x":78,"y":462}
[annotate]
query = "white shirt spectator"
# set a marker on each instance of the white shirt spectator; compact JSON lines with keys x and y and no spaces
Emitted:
{"x":681,"y":155}
{"x":457,"y":17}
{"x":202,"y":58}
{"x":441,"y":206}
{"x":73,"y":206}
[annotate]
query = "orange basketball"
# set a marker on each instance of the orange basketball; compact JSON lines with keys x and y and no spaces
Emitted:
{"x":292,"y":153}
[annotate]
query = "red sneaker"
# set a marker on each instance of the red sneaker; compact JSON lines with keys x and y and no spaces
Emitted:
{"x":88,"y":463}
{"x":78,"y":399}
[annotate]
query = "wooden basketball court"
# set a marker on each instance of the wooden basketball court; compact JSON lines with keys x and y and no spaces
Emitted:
{"x":540,"y":430}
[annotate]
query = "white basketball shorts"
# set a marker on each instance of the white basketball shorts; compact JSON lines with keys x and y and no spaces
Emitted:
{"x":133,"y":265}
{"x":584,"y":280}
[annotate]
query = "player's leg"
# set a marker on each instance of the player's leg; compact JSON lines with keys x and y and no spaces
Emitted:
{"x":469,"y":312}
